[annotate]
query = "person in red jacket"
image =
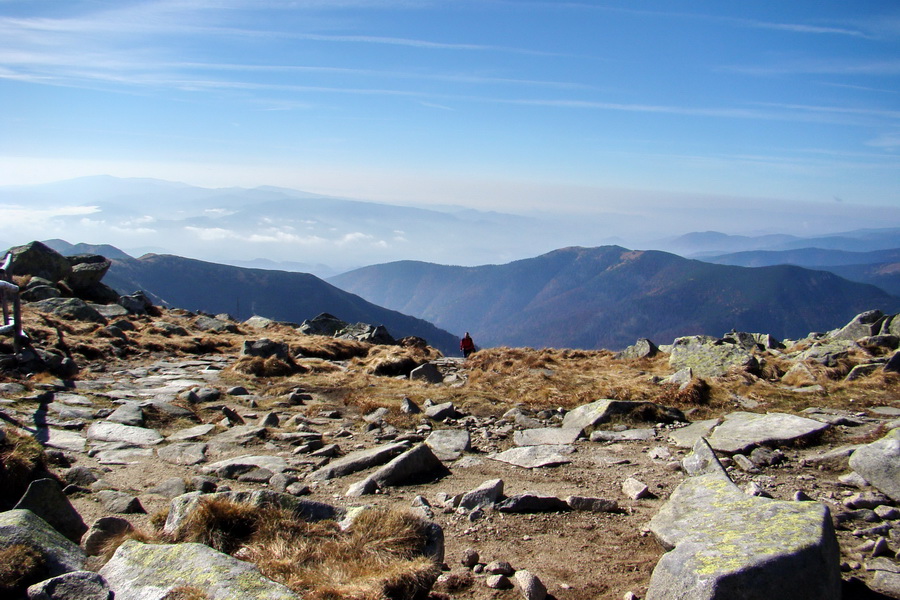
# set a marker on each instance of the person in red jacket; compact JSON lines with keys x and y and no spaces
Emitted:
{"x":467,"y":345}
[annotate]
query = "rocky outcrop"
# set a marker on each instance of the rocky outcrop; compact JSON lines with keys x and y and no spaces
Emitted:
{"x":710,"y":357}
{"x":724,"y":544}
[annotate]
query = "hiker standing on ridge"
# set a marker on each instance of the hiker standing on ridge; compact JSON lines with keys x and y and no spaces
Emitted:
{"x":467,"y":345}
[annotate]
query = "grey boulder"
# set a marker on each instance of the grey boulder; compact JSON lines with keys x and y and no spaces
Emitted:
{"x":46,"y":499}
{"x":77,"y":585}
{"x":741,"y":431}
{"x":150,"y":571}
{"x":24,"y":527}
{"x":879,"y":464}
{"x":723,"y":544}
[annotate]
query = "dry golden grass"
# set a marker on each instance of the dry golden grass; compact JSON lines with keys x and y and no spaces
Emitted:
{"x":391,"y":361}
{"x":20,"y":566}
{"x":21,"y":459}
{"x":265,"y":367}
{"x":377,"y":558}
{"x":318,"y":346}
{"x":186,"y":592}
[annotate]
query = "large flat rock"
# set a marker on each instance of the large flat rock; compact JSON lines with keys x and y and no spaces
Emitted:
{"x":558,"y":436}
{"x":358,"y":461}
{"x":275,"y":464}
{"x":105,"y":431}
{"x":726,"y":545}
{"x":588,"y":417}
{"x":534,"y":457}
{"x":879,"y":464}
{"x":150,"y":571}
{"x":740,"y":431}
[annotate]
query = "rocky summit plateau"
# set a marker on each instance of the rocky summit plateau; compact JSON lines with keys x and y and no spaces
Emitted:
{"x":158,"y":453}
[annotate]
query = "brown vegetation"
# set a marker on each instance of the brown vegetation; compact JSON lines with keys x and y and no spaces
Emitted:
{"x":379,"y":556}
{"x":20,"y":566}
{"x":21,"y":461}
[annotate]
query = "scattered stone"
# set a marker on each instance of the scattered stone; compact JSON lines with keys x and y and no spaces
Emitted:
{"x":879,"y":464}
{"x":449,"y":444}
{"x":80,"y":475}
{"x":498,"y":582}
{"x":888,"y":513}
{"x":191,"y":433}
{"x":643,"y":348}
{"x":766,"y":457}
{"x":439,"y":412}
{"x":868,"y":500}
{"x":102,"y":531}
{"x":169,"y":488}
{"x":119,"y":502}
{"x":429,"y":373}
{"x":499,"y":567}
{"x":358,"y":461}
{"x":627,"y":435}
{"x":46,"y":500}
{"x":532,"y":503}
{"x":409,"y":407}
{"x":234,"y":419}
{"x":532,"y":587}
{"x":417,"y":463}
{"x":129,"y":413}
{"x":534,"y":457}
{"x":233,"y":467}
{"x":635,"y":489}
{"x":183,"y":453}
{"x":744,"y":464}
{"x":485,"y":494}
{"x":592,"y":504}
{"x":77,"y":585}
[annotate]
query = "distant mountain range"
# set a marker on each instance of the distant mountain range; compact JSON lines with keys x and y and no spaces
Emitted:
{"x":607,"y":297}
{"x":878,"y":267}
{"x":713,"y":243}
{"x":213,"y":288}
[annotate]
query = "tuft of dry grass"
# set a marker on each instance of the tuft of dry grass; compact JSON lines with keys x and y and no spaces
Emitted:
{"x":20,"y":566}
{"x":391,"y":361}
{"x":377,"y":558}
{"x":265,"y":367}
{"x":21,"y":460}
{"x":186,"y":592}
{"x":328,"y":348}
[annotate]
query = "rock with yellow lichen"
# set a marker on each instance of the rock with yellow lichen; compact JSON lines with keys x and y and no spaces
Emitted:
{"x":726,"y":545}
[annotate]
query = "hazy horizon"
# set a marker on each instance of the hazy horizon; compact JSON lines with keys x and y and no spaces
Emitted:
{"x":599,"y":120}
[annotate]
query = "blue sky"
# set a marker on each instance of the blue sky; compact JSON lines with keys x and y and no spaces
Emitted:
{"x":511,"y":105}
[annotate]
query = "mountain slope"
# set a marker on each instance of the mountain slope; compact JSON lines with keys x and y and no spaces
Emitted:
{"x":214,"y":288}
{"x":609,"y":296}
{"x":880,"y":268}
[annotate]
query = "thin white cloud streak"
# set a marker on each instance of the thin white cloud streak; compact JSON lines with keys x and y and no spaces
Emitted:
{"x":822,"y":67}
